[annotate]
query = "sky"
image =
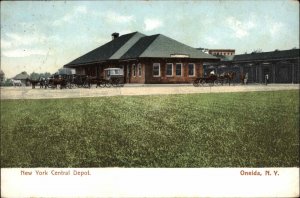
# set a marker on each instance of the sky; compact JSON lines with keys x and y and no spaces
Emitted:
{"x":42,"y":36}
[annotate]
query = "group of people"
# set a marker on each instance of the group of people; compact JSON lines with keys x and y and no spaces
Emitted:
{"x":43,"y":82}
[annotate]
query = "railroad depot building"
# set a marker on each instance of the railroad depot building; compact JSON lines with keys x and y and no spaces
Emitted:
{"x":144,"y":59}
{"x":281,"y":66}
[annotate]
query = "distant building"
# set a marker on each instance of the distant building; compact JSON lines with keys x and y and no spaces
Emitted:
{"x":144,"y":59}
{"x":222,"y":52}
{"x":66,"y":71}
{"x":205,"y":50}
{"x":23,"y":76}
{"x":280,"y":66}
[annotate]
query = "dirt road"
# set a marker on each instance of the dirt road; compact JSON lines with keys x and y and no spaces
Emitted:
{"x":133,"y":89}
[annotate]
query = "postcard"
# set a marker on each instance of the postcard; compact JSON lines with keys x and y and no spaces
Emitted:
{"x":149,"y":98}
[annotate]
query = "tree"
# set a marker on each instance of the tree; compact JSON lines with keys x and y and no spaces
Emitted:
{"x":45,"y":75}
{"x":2,"y":76}
{"x":256,"y":51}
{"x":34,"y":76}
{"x":7,"y":82}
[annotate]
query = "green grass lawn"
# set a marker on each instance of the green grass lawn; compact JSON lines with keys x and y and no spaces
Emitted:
{"x":255,"y":129}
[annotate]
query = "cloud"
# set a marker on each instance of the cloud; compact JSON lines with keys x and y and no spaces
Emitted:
{"x":114,"y":17}
{"x":23,"y":45}
{"x":241,"y":29}
{"x":211,"y":41}
{"x":276,"y":28}
{"x":23,"y":39}
{"x":16,"y":40}
{"x":23,"y":53}
{"x":69,"y":17}
{"x":100,"y":40}
{"x":108,"y":16}
{"x":151,"y":24}
{"x":5,"y":44}
{"x":81,"y":9}
{"x":126,"y":31}
{"x":65,"y":19}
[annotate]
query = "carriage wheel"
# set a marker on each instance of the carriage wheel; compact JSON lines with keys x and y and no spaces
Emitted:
{"x":217,"y":82}
{"x":79,"y":85}
{"x":196,"y":83}
{"x":115,"y":82}
{"x":68,"y":85}
{"x":202,"y":82}
{"x":101,"y":84}
{"x":71,"y":85}
{"x":107,"y":84}
{"x":86,"y":85}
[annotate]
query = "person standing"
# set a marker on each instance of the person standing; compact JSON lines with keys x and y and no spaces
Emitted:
{"x":266,"y":79}
{"x":246,"y":78}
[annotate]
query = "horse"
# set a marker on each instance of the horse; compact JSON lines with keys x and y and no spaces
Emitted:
{"x":92,"y":80}
{"x":42,"y":82}
{"x":33,"y":82}
{"x":244,"y":78}
{"x":229,"y":76}
{"x":221,"y":78}
{"x":16,"y":83}
{"x":84,"y":81}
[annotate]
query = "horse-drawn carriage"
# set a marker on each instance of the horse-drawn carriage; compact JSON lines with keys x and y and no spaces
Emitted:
{"x":214,"y":79}
{"x":54,"y":81}
{"x":112,"y":77}
{"x":77,"y":80}
{"x":67,"y":81}
{"x":211,"y":79}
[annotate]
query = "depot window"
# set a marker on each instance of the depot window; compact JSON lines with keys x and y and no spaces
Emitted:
{"x":156,"y":69}
{"x":169,"y":68}
{"x":128,"y":70}
{"x":178,"y":69}
{"x":140,"y":70}
{"x":134,"y":70}
{"x":191,"y":69}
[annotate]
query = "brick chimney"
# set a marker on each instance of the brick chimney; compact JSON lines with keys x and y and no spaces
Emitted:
{"x":114,"y":35}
